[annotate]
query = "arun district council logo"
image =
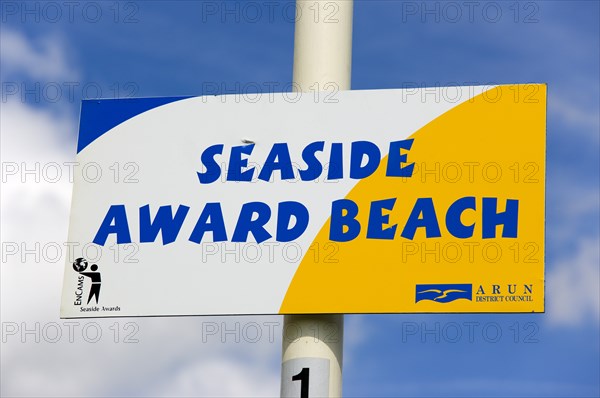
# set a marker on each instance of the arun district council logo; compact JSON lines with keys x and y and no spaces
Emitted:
{"x":444,"y":293}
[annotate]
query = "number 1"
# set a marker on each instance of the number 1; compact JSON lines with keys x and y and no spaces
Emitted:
{"x":303,"y":377}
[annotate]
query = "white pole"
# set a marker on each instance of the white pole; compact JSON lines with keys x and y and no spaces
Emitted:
{"x":313,"y":344}
{"x":323,"y":44}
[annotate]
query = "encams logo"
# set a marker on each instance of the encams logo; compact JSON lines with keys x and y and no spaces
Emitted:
{"x":80,"y":265}
{"x":444,"y":293}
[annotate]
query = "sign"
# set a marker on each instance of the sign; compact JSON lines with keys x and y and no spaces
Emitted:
{"x":384,"y":201}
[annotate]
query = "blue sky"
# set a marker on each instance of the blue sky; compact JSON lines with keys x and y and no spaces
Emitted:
{"x":159,"y":48}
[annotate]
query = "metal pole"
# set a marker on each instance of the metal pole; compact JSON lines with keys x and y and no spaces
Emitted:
{"x":313,"y":344}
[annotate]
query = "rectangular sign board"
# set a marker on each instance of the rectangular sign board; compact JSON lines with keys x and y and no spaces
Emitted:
{"x":380,"y":201}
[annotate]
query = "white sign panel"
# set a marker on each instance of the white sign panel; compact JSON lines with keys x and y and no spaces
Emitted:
{"x":296,"y":203}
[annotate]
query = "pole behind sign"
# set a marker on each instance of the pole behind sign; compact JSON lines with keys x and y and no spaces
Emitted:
{"x":312,"y":351}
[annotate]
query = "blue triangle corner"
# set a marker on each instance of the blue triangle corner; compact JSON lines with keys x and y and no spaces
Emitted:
{"x":99,"y":116}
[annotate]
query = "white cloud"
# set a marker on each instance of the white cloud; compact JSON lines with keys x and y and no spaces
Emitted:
{"x":586,"y":121}
{"x":43,"y":58}
{"x":220,"y":377}
{"x":569,"y":208}
{"x":573,"y":287}
{"x":31,"y":147}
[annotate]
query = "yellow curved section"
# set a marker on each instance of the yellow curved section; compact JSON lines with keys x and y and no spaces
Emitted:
{"x":490,"y":146}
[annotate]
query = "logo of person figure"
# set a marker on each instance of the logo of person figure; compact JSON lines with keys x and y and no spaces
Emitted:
{"x":80,"y":265}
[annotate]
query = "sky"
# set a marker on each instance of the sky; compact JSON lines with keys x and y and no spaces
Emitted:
{"x":53,"y":54}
